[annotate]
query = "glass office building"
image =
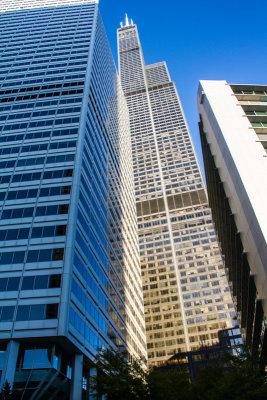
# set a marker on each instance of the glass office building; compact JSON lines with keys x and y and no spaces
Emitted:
{"x":186,"y":295}
{"x":69,"y":267}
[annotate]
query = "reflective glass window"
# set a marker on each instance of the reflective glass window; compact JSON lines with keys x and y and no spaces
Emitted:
{"x":37,"y":312}
{"x":13,"y":284}
{"x":7,"y":313}
{"x":41,"y":282}
{"x":23,"y":313}
{"x":27,"y":283}
{"x":3,"y":284}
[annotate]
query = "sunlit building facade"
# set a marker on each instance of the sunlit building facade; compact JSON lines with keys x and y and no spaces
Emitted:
{"x":186,"y":295}
{"x":70,"y":275}
{"x":233,"y":130}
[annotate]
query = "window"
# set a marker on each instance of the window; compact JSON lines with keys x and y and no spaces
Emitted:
{"x":15,"y":257}
{"x":36,"y":358}
{"x":7,"y":313}
{"x":51,"y":311}
{"x":40,"y":282}
{"x":36,"y":312}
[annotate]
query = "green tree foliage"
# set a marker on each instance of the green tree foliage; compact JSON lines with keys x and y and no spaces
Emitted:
{"x":121,"y":379}
{"x":170,"y":384}
{"x":245,"y":380}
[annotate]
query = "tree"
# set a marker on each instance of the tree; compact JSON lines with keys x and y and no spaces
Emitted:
{"x":244,"y":380}
{"x":119,"y":378}
{"x":170,"y":384}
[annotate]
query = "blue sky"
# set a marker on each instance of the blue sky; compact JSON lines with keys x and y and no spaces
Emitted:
{"x":199,"y":39}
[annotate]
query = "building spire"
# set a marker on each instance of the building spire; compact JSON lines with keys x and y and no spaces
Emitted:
{"x":127,"y":21}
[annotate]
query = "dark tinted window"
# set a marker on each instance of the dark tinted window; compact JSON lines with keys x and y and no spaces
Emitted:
{"x":23,"y":233}
{"x":37,"y":312}
{"x":12,"y":234}
{"x":3,"y":283}
{"x":61,"y":230}
{"x":36,"y":232}
{"x":7,"y":314}
{"x":23,"y":313}
{"x":27,"y":283}
{"x":55,"y":281}
{"x":13,"y":284}
{"x":48,"y":231}
{"x":41,"y":282}
{"x":58,"y":254}
{"x":51,"y":311}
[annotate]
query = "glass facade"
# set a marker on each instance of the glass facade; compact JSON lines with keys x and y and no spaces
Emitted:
{"x":68,"y":230}
{"x":186,"y":295}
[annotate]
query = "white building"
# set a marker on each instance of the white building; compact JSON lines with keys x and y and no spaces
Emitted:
{"x":233,"y":131}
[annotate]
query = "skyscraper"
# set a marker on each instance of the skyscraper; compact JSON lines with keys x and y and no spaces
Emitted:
{"x":186,"y":295}
{"x":70,"y":277}
{"x":233,"y":131}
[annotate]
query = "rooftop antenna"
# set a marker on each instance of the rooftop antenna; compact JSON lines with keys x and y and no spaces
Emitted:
{"x":126,"y":20}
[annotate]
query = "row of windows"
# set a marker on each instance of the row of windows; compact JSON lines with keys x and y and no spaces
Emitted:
{"x":204,"y":293}
{"x":38,"y":124}
{"x":32,"y":193}
{"x":41,"y":79}
{"x":44,"y":63}
{"x":29,"y":67}
{"x":37,"y":147}
{"x":36,"y":50}
{"x":88,"y":305}
{"x":37,"y":232}
{"x":37,"y":17}
{"x":48,"y":31}
{"x":84,"y":330}
{"x":17,"y":257}
{"x":40,"y":88}
{"x":63,"y":13}
{"x":211,"y":317}
{"x":40,"y":104}
{"x":42,"y":113}
{"x":26,"y":162}
{"x":29,"y":313}
{"x":32,"y":74}
{"x":28,"y":212}
{"x":34,"y":176}
{"x":41,"y":95}
{"x":30,"y":282}
{"x":38,"y":135}
{"x":90,"y":257}
{"x":80,"y":265}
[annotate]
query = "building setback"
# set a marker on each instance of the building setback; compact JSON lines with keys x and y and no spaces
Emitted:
{"x":186,"y":295}
{"x":69,"y":266}
{"x":233,"y":131}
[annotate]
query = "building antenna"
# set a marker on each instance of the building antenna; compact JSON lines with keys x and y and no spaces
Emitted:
{"x":126,"y":20}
